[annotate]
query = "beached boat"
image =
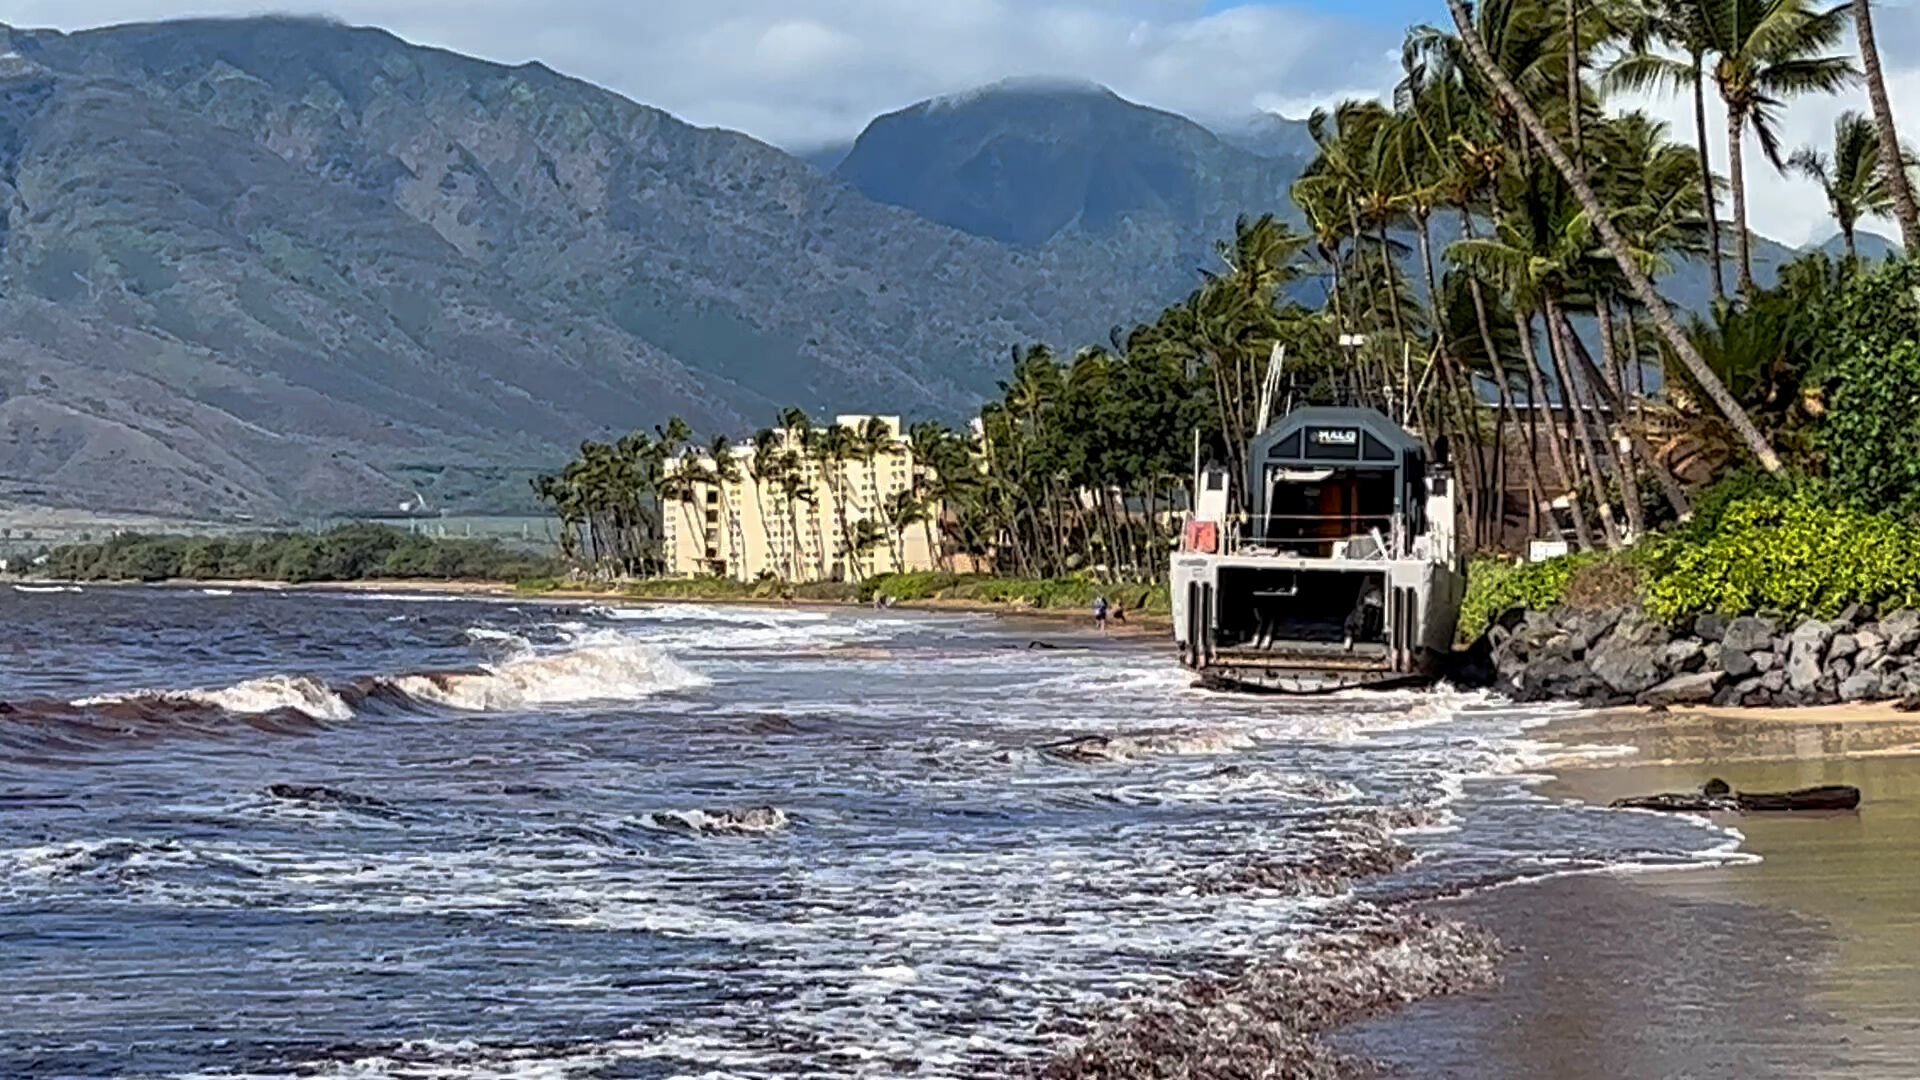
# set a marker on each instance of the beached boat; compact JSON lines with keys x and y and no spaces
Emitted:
{"x":1332,"y":565}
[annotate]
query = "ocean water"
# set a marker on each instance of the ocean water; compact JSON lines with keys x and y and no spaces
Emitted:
{"x":269,"y":834}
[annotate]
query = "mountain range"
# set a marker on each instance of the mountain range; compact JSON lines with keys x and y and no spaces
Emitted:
{"x":274,"y":266}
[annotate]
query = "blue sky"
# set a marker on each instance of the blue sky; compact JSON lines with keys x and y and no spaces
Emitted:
{"x":802,"y":73}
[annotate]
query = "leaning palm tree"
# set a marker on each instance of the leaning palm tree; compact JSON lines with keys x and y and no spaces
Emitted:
{"x":1765,"y":52}
{"x":1898,"y":185}
{"x":1610,"y":237}
{"x":1852,"y":178}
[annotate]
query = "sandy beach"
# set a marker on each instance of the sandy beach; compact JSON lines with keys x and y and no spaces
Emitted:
{"x":1803,"y":963}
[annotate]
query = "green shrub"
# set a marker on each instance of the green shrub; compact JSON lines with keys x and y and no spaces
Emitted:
{"x":1802,"y":552}
{"x":1495,"y":587}
{"x":349,"y":553}
{"x":1869,"y":351}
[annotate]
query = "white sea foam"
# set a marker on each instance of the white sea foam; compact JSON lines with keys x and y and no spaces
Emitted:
{"x":504,"y":637}
{"x":216,"y":592}
{"x":599,"y":666}
{"x":271,"y":693}
{"x":46,"y":588}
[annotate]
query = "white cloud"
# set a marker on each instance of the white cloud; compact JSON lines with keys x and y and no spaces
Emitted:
{"x":802,"y":72}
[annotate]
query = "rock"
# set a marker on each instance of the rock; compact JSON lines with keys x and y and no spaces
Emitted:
{"x":1873,"y":648}
{"x":1774,"y":681}
{"x":1738,"y":665}
{"x":1737,"y":693}
{"x":1637,"y":628}
{"x":1709,"y":627}
{"x":1838,"y":671}
{"x":1807,"y":651}
{"x":1765,"y":661}
{"x":1554,"y":678}
{"x":1853,"y":615}
{"x":1684,"y":655}
{"x":1587,"y":628}
{"x":1902,"y":631}
{"x":1750,"y":634}
{"x":1842,"y":647}
{"x":1624,"y":667}
{"x":1711,"y":655}
{"x":1910,"y":703}
{"x":1861,"y":686}
{"x":1684,"y":689}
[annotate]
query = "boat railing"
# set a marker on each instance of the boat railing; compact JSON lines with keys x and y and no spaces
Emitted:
{"x":1365,"y":536}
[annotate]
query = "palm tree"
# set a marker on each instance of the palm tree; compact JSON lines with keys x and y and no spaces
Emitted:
{"x":1677,"y":24}
{"x":1765,"y":52}
{"x":724,"y":472}
{"x":1852,"y":178}
{"x":1642,"y":287}
{"x":1899,"y":186}
{"x":766,"y":467}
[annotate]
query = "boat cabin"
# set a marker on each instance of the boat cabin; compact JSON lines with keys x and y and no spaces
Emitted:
{"x":1323,"y":478}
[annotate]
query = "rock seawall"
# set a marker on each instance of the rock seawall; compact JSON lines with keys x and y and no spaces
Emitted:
{"x":1624,"y":657}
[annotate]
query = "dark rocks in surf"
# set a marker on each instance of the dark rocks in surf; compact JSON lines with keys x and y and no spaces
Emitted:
{"x":1763,"y":660}
{"x":320,"y":795}
{"x":751,"y":821}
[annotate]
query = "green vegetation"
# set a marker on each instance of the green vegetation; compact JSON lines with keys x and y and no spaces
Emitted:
{"x":349,"y":553}
{"x":1047,"y":594}
{"x":1797,"y":547}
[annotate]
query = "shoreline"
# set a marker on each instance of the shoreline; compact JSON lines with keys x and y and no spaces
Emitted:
{"x":1801,"y":962}
{"x":1139,"y":626}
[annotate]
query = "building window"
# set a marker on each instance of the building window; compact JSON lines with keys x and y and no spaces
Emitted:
{"x":713,"y":517}
{"x":712,"y":497}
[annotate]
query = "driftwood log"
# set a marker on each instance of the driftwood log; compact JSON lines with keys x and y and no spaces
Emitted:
{"x":1718,"y":797}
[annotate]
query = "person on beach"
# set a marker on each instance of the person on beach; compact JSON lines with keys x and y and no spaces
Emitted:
{"x":1100,"y":613}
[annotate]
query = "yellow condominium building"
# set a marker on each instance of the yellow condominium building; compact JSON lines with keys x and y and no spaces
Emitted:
{"x":842,"y":506}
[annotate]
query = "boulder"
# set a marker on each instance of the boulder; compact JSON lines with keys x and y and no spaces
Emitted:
{"x":1842,"y":647}
{"x":1902,"y":631}
{"x":1587,"y":628}
{"x":1709,"y":627}
{"x":1684,"y":655}
{"x":1873,"y":648}
{"x":1806,"y":653}
{"x":1690,"y":689}
{"x":1765,"y":660}
{"x":1838,"y":671}
{"x":1853,"y":615}
{"x":1736,"y":693}
{"x":1751,"y":634}
{"x":1773,"y":682}
{"x":1738,"y":665}
{"x":1860,"y":686}
{"x":1638,"y":628}
{"x":1625,"y":667}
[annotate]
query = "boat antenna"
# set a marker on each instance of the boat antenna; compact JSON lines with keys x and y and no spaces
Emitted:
{"x":1276,"y":363}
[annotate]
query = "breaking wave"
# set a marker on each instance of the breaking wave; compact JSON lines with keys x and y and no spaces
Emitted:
{"x":270,"y":694}
{"x":591,"y":668}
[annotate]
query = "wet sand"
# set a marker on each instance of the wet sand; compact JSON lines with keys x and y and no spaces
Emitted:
{"x":1806,"y":963}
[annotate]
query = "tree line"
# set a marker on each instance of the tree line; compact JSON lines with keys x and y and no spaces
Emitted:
{"x":1481,"y":255}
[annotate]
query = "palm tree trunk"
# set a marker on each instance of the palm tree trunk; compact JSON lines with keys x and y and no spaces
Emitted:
{"x":1555,"y":451}
{"x":1706,"y":177}
{"x":1575,"y":404}
{"x":1737,"y":178}
{"x":1904,"y":207}
{"x":1573,"y":80}
{"x":1669,"y":487}
{"x":1643,"y":290}
{"x":1853,"y":252}
{"x":1609,"y":388}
